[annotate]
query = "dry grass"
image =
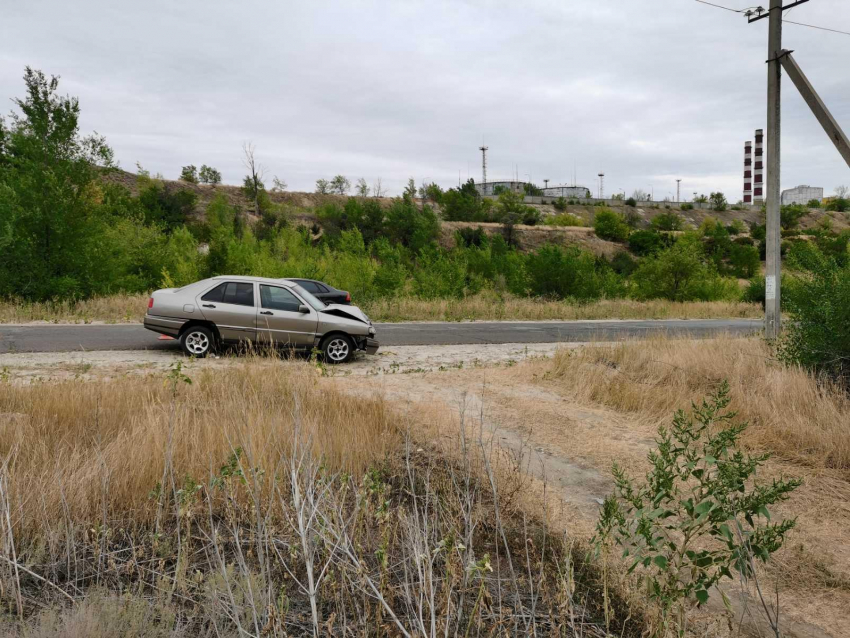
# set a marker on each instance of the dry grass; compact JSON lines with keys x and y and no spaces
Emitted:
{"x":790,"y":412}
{"x":112,"y":309}
{"x":258,"y":500}
{"x":492,"y":307}
{"x":67,"y":440}
{"x":486,"y":306}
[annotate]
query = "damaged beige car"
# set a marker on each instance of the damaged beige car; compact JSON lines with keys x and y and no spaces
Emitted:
{"x":231,"y":309}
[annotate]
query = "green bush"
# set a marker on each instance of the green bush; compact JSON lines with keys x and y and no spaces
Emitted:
{"x":700,"y":512}
{"x":645,"y":242}
{"x":565,"y":219}
{"x":790,"y":216}
{"x":567,"y":273}
{"x":744,"y":260}
{"x":631,"y":202}
{"x":668,"y":221}
{"x":560,"y":204}
{"x":818,"y":338}
{"x":610,"y":225}
{"x":686,"y":206}
{"x":814,"y":203}
{"x":680,"y":273}
{"x":623,"y":264}
{"x":839,"y":205}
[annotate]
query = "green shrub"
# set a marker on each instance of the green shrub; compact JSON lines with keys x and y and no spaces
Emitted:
{"x":668,"y":221}
{"x":610,"y":225}
{"x":565,"y":219}
{"x":645,"y":242}
{"x":680,"y":273}
{"x":839,"y":205}
{"x":699,"y":516}
{"x":814,"y":203}
{"x":718,"y":202}
{"x":819,"y":336}
{"x":631,"y":202}
{"x":744,"y":261}
{"x":736,"y":227}
{"x":560,"y":204}
{"x":564,"y":273}
{"x":790,"y":216}
{"x":623,"y":264}
{"x":686,"y":206}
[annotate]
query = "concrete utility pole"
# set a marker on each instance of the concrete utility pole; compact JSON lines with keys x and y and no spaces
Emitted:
{"x":773,"y":281}
{"x":678,"y":190}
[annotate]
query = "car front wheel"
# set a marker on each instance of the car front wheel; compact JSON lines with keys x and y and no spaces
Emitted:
{"x":197,"y":341}
{"x":338,"y":348}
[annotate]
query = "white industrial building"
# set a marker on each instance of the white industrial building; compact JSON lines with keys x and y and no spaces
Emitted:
{"x":578,"y":192}
{"x":801,"y":195}
{"x":488,"y":189}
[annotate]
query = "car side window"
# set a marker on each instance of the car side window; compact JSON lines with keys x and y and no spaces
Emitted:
{"x":275,"y":298}
{"x":309,"y":286}
{"x":216,"y":294}
{"x":321,"y":288}
{"x":239,"y":294}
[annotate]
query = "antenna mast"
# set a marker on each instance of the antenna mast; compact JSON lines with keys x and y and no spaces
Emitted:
{"x":484,"y":150}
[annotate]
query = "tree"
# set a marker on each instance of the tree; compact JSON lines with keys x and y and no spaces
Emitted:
{"x":189,"y":174}
{"x":340,"y":185}
{"x":718,"y":202}
{"x":323,"y":187}
{"x":252,"y":185}
{"x":679,"y":273}
{"x":209,"y":175}
{"x":278,"y":185}
{"x":640,"y":195}
{"x":701,"y":199}
{"x":511,"y":209}
{"x":362,"y":188}
{"x":410,"y":189}
{"x":610,"y":225}
{"x":842,"y":192}
{"x":667,"y":220}
{"x":378,"y":189}
{"x":53,"y":224}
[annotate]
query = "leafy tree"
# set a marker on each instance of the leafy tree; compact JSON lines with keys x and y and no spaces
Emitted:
{"x":51,"y":222}
{"x":411,"y":226}
{"x":278,"y":185}
{"x":323,"y":187}
{"x":645,"y":242}
{"x":209,"y":175}
{"x":699,"y":516}
{"x":410,"y":189}
{"x":744,"y":260}
{"x":814,"y":203}
{"x":189,"y":174}
{"x":166,"y":206}
{"x":640,"y":195}
{"x":631,"y":201}
{"x":340,"y":185}
{"x":610,"y":225}
{"x":511,"y":209}
{"x":566,"y":273}
{"x":701,"y":199}
{"x":680,"y":273}
{"x":668,"y":220}
{"x":819,"y":336}
{"x":362,"y":188}
{"x":718,"y":202}
{"x":463,"y":204}
{"x":432,"y":192}
{"x":560,"y":204}
{"x":790,"y":216}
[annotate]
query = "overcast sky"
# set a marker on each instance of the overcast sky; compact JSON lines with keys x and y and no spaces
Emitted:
{"x":645,"y":90}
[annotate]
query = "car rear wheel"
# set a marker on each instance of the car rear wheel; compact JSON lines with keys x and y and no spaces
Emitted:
{"x":197,"y":341}
{"x":338,"y":348}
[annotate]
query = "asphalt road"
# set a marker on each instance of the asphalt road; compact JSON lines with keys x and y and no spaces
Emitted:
{"x":67,"y":338}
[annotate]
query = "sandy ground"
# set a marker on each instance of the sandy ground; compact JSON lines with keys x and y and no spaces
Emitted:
{"x":567,"y":447}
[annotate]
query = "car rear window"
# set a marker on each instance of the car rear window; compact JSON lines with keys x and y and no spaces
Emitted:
{"x":310,"y":286}
{"x":216,"y":294}
{"x":240,"y":294}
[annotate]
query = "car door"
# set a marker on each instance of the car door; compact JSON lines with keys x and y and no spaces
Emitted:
{"x":280,"y":320}
{"x":231,"y":307}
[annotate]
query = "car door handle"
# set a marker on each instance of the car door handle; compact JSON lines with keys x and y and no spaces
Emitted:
{"x":208,"y":305}
{"x":266,"y":312}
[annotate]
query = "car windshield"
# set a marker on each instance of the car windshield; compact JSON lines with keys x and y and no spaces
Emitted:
{"x":317,"y":304}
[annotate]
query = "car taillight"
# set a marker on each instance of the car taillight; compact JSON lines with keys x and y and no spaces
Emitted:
{"x":150,"y":303}
{"x":348,"y":296}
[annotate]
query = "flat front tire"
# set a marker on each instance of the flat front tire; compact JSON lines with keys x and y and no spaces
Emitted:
{"x":197,"y":341}
{"x":337,"y":348}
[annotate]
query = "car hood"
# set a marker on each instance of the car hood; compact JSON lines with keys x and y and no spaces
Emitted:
{"x":349,"y":312}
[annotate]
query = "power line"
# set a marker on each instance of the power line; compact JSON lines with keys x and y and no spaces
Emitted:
{"x":799,"y":24}
{"x":812,"y":26}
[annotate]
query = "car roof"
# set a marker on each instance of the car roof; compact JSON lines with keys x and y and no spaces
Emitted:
{"x":262,"y":280}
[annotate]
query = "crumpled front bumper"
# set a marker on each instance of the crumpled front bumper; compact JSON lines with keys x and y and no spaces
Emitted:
{"x":370,"y":345}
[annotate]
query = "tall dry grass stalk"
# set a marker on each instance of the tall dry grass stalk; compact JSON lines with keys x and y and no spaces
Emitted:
{"x":487,"y":306}
{"x":67,"y":440}
{"x":791,"y":413}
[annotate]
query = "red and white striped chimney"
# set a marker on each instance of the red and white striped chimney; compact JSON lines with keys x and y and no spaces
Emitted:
{"x":748,"y":172}
{"x":758,"y":169}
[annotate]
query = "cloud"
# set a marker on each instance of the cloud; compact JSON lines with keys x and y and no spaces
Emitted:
{"x":645,"y":90}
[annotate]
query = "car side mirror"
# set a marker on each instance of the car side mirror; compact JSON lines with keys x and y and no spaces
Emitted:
{"x":303,"y":309}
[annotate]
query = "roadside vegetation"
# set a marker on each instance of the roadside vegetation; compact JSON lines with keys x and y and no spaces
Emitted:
{"x":257,"y":501}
